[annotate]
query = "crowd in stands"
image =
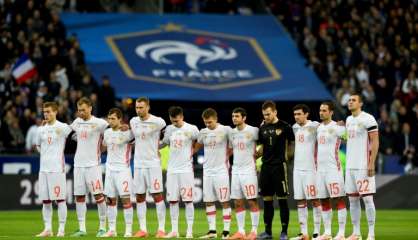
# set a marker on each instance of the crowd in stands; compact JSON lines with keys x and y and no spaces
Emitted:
{"x":368,"y":46}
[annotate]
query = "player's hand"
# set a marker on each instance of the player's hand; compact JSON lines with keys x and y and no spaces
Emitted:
{"x":124,"y":127}
{"x":341,"y":123}
{"x":370,"y":171}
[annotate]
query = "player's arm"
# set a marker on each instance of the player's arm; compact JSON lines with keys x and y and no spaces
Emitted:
{"x":374,"y":143}
{"x":290,"y":142}
{"x":196,"y":147}
{"x":259,"y":152}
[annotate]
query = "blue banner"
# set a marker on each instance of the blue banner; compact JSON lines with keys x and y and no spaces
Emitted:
{"x":195,"y":57}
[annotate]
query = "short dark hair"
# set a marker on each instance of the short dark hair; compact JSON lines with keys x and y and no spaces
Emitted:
{"x":52,"y":105}
{"x":269,"y":104}
{"x":331,"y":105}
{"x":209,"y":112}
{"x":175,"y":111}
{"x":115,"y":111}
{"x":84,"y":100}
{"x":143,"y":99}
{"x":358,"y":94}
{"x":240,"y":111}
{"x":303,"y":107}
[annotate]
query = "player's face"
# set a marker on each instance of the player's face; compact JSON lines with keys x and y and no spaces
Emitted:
{"x":114,"y":121}
{"x":269,"y":115}
{"x":142,"y":109}
{"x":49,"y":114}
{"x":177,"y":121}
{"x":84,"y":111}
{"x":300,"y":116}
{"x":324,"y":113}
{"x":238,"y":119}
{"x":354,"y":103}
{"x":210,"y":122}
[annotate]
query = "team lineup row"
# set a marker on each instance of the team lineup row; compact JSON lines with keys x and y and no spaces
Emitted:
{"x":317,"y":171}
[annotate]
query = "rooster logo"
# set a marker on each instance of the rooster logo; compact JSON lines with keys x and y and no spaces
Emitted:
{"x":194,"y":55}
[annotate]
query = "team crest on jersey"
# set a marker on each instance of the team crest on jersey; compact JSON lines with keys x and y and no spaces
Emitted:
{"x":278,"y":131}
{"x":58,"y":131}
{"x":331,"y":131}
{"x":93,"y":126}
{"x":248,"y":136}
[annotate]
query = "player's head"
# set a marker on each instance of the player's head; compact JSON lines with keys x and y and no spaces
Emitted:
{"x":210,"y":118}
{"x":50,"y":110}
{"x":269,"y":111}
{"x":355,"y":102}
{"x":84,"y":107}
{"x":301,"y":113}
{"x":176,"y":115}
{"x":114,"y":117}
{"x":239,"y":115}
{"x":142,"y":106}
{"x":326,"y":110}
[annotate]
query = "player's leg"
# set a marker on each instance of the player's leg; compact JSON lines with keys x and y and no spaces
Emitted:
{"x":238,"y":196}
{"x":128,"y":214}
{"x":111,"y":200}
{"x":267,"y":191}
{"x":173,"y":192}
{"x":80,"y":191}
{"x":354,"y":199}
{"x":342,"y":218}
{"x":302,"y":208}
{"x":282,"y":193}
{"x":156,"y":189}
{"x":367,"y":187}
{"x":46,"y":205}
{"x":221,"y":183}
{"x":57,"y":187}
{"x":186,"y":191}
{"x":323,"y":195}
{"x":335,"y":187}
{"x":123,"y":181}
{"x":251,"y":194}
{"x":141,"y":204}
{"x":209,"y":197}
{"x":311,"y":191}
{"x":93,"y":176}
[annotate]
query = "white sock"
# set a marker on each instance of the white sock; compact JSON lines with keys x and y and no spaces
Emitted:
{"x":141,"y":211}
{"x":240,"y":214}
{"x":211,"y":215}
{"x":370,"y":213}
{"x":255,"y":217}
{"x":327,"y":216}
{"x":317,"y":219}
{"x":355,"y":213}
{"x":226,"y":212}
{"x":101,"y":209}
{"x":81,"y":209}
{"x":189,"y":216}
{"x":128,"y":214}
{"x":174,"y":215}
{"x":303,"y":218}
{"x":62,"y":215}
{"x":112,"y":212}
{"x":47,"y":215}
{"x":160,"y":206}
{"x":342,"y":218}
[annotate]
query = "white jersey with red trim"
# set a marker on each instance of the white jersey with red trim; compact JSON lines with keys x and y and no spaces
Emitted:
{"x":181,"y":141}
{"x":305,"y":145}
{"x":89,"y":140}
{"x":51,"y":143}
{"x":119,"y":150}
{"x":358,"y":147}
{"x":243,"y":143}
{"x":329,"y":140}
{"x":147,"y":140}
{"x":215,"y":144}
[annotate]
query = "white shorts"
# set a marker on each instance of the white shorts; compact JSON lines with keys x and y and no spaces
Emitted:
{"x":357,"y":181}
{"x":244,"y":186}
{"x":216,"y":188}
{"x":304,"y":185}
{"x":180,"y":185}
{"x":52,"y":186}
{"x":88,"y":179}
{"x":118,"y":183}
{"x":150,"y":179}
{"x":330,"y":184}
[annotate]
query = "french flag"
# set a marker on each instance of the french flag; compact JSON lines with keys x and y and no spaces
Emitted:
{"x":23,"y":69}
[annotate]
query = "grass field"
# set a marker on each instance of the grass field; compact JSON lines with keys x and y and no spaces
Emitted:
{"x":391,"y":224}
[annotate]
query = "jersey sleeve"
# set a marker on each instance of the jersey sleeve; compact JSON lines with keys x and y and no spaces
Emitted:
{"x":103,"y":124}
{"x":166,"y":138}
{"x":200,"y":136}
{"x":129,"y":136}
{"x":67,"y":129}
{"x":38,"y":135}
{"x":255,"y":134}
{"x":105,"y":138}
{"x":339,"y":130}
{"x":160,"y":124}
{"x":290,"y":136}
{"x":370,"y":124}
{"x":73,"y":125}
{"x":195,"y":133}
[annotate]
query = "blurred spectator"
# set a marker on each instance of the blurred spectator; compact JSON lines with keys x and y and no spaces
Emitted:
{"x":106,"y":96}
{"x":31,"y":136}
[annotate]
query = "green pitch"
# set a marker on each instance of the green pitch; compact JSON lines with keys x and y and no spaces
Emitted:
{"x":391,"y":224}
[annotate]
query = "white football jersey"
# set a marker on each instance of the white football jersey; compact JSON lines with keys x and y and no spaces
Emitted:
{"x":329,"y":140}
{"x":305,"y":145}
{"x":215,"y":144}
{"x":358,"y":147}
{"x":89,"y":139}
{"x":119,"y":149}
{"x":180,"y":141}
{"x":147,"y":139}
{"x":51,"y":143}
{"x":243,"y":143}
